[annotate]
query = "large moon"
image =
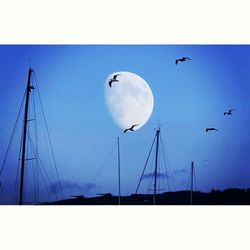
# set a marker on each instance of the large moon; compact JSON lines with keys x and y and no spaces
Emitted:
{"x":130,"y":100}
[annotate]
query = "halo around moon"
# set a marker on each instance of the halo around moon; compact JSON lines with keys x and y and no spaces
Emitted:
{"x":130,"y":100}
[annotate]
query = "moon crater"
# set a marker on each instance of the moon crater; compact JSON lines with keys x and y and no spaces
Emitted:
{"x":130,"y":100}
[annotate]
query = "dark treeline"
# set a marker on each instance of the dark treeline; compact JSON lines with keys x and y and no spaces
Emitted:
{"x":231,"y":196}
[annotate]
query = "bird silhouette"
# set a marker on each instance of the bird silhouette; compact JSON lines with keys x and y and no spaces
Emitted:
{"x":229,"y":112}
{"x":113,"y":80}
{"x":211,"y":129}
{"x":183,"y":59}
{"x":131,"y":128}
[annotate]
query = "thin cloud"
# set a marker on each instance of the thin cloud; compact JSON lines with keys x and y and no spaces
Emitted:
{"x":159,"y":175}
{"x":66,"y":185}
{"x":180,"y":171}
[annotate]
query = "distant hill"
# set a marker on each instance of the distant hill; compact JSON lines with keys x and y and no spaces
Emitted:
{"x":231,"y":196}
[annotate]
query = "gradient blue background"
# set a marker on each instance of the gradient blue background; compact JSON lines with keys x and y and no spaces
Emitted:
{"x":188,"y":98}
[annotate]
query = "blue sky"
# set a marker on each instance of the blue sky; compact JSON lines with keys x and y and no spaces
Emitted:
{"x":188,"y":98}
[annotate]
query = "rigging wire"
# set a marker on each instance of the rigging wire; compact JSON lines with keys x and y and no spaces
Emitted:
{"x":36,"y":155}
{"x":36,"y":142}
{"x":34,"y":180}
{"x":145,"y":165}
{"x":50,"y":143}
{"x":151,"y":176}
{"x":158,"y":174}
{"x":166,"y":161}
{"x":165,"y":171}
{"x":104,"y":163}
{"x":17,"y":171}
{"x":195,"y":186}
{"x":47,"y":151}
{"x":189,"y":180}
{"x":26,"y":176}
{"x":43,"y":179}
{"x":32,"y":167}
{"x":12,"y":135}
{"x":50,"y":163}
{"x":35,"y":170}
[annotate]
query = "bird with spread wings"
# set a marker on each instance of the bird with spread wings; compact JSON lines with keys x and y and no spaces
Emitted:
{"x":131,"y":128}
{"x":183,"y":59}
{"x":114,"y":79}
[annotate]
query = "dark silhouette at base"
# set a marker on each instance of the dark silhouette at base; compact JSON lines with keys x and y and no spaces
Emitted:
{"x":231,"y":196}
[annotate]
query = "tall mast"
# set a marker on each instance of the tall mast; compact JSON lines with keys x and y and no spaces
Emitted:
{"x":28,"y":89}
{"x":119,"y":172}
{"x":156,"y":163}
{"x":192,"y":183}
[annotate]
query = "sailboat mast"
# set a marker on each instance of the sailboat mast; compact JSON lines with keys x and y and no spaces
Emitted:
{"x":119,"y":172}
{"x":28,"y":89}
{"x":192,"y":183}
{"x":156,"y":163}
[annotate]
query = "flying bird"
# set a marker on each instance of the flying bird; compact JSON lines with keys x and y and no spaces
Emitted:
{"x":183,"y":59}
{"x":229,"y":112}
{"x":131,"y":128}
{"x":113,"y":80}
{"x":211,"y":129}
